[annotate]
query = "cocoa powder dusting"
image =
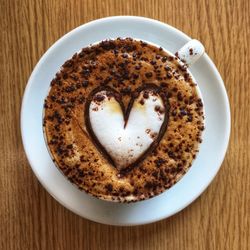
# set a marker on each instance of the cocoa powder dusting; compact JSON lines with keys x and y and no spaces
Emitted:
{"x":123,"y":65}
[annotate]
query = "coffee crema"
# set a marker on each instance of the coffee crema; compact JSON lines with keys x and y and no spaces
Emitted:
{"x":123,"y":120}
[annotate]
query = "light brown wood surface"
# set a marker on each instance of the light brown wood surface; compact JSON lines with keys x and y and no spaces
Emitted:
{"x":31,"y":219}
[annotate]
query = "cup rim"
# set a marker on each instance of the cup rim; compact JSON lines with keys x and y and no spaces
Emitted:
{"x":181,"y":63}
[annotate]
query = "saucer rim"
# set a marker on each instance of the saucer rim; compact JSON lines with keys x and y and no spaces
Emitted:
{"x":96,"y":22}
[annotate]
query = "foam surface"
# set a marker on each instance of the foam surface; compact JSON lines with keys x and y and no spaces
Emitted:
{"x":125,"y":66}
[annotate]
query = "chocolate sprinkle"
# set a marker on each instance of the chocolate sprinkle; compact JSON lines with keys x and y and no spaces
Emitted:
{"x":149,"y":74}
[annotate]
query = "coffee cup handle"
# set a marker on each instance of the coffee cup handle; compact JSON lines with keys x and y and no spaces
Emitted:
{"x":190,"y":52}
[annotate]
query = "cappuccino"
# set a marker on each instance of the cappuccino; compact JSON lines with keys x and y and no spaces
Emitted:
{"x":123,"y":120}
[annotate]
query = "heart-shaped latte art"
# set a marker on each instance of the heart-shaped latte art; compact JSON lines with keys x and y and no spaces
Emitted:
{"x":126,"y":137}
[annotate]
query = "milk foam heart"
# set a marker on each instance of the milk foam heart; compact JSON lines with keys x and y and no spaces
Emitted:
{"x":126,"y":139}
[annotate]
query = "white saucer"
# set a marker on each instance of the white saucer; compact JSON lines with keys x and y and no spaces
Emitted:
{"x":205,"y":167}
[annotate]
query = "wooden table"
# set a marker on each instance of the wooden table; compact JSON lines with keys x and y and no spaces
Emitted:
{"x":31,"y":219}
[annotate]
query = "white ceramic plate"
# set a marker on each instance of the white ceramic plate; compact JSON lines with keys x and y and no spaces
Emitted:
{"x":205,"y":167}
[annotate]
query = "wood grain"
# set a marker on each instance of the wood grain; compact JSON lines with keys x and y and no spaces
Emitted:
{"x":31,"y":219}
